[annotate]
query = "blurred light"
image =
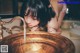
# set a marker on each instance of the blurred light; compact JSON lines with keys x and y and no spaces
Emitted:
{"x":67,"y":11}
{"x":35,"y":47}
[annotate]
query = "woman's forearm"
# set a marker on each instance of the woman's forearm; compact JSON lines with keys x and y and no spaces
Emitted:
{"x":61,"y":15}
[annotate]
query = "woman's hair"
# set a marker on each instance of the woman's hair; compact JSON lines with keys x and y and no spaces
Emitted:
{"x":51,"y":11}
{"x":38,"y":9}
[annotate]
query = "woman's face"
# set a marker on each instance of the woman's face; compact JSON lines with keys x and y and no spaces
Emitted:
{"x":30,"y":21}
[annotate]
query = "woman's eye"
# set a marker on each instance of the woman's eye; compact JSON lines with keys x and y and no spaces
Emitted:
{"x":25,"y":14}
{"x":34,"y":18}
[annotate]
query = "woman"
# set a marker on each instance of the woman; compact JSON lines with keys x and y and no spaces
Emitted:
{"x":36,"y":14}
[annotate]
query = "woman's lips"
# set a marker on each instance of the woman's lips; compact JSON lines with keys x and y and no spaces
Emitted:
{"x":29,"y":25}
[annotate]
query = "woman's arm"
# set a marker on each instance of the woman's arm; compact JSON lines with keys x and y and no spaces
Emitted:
{"x":55,"y":23}
{"x":62,"y":14}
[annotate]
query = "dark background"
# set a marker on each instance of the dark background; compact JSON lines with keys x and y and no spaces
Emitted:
{"x":74,"y":9}
{"x":10,"y":8}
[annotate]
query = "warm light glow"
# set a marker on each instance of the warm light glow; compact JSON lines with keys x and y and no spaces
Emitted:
{"x":35,"y":47}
